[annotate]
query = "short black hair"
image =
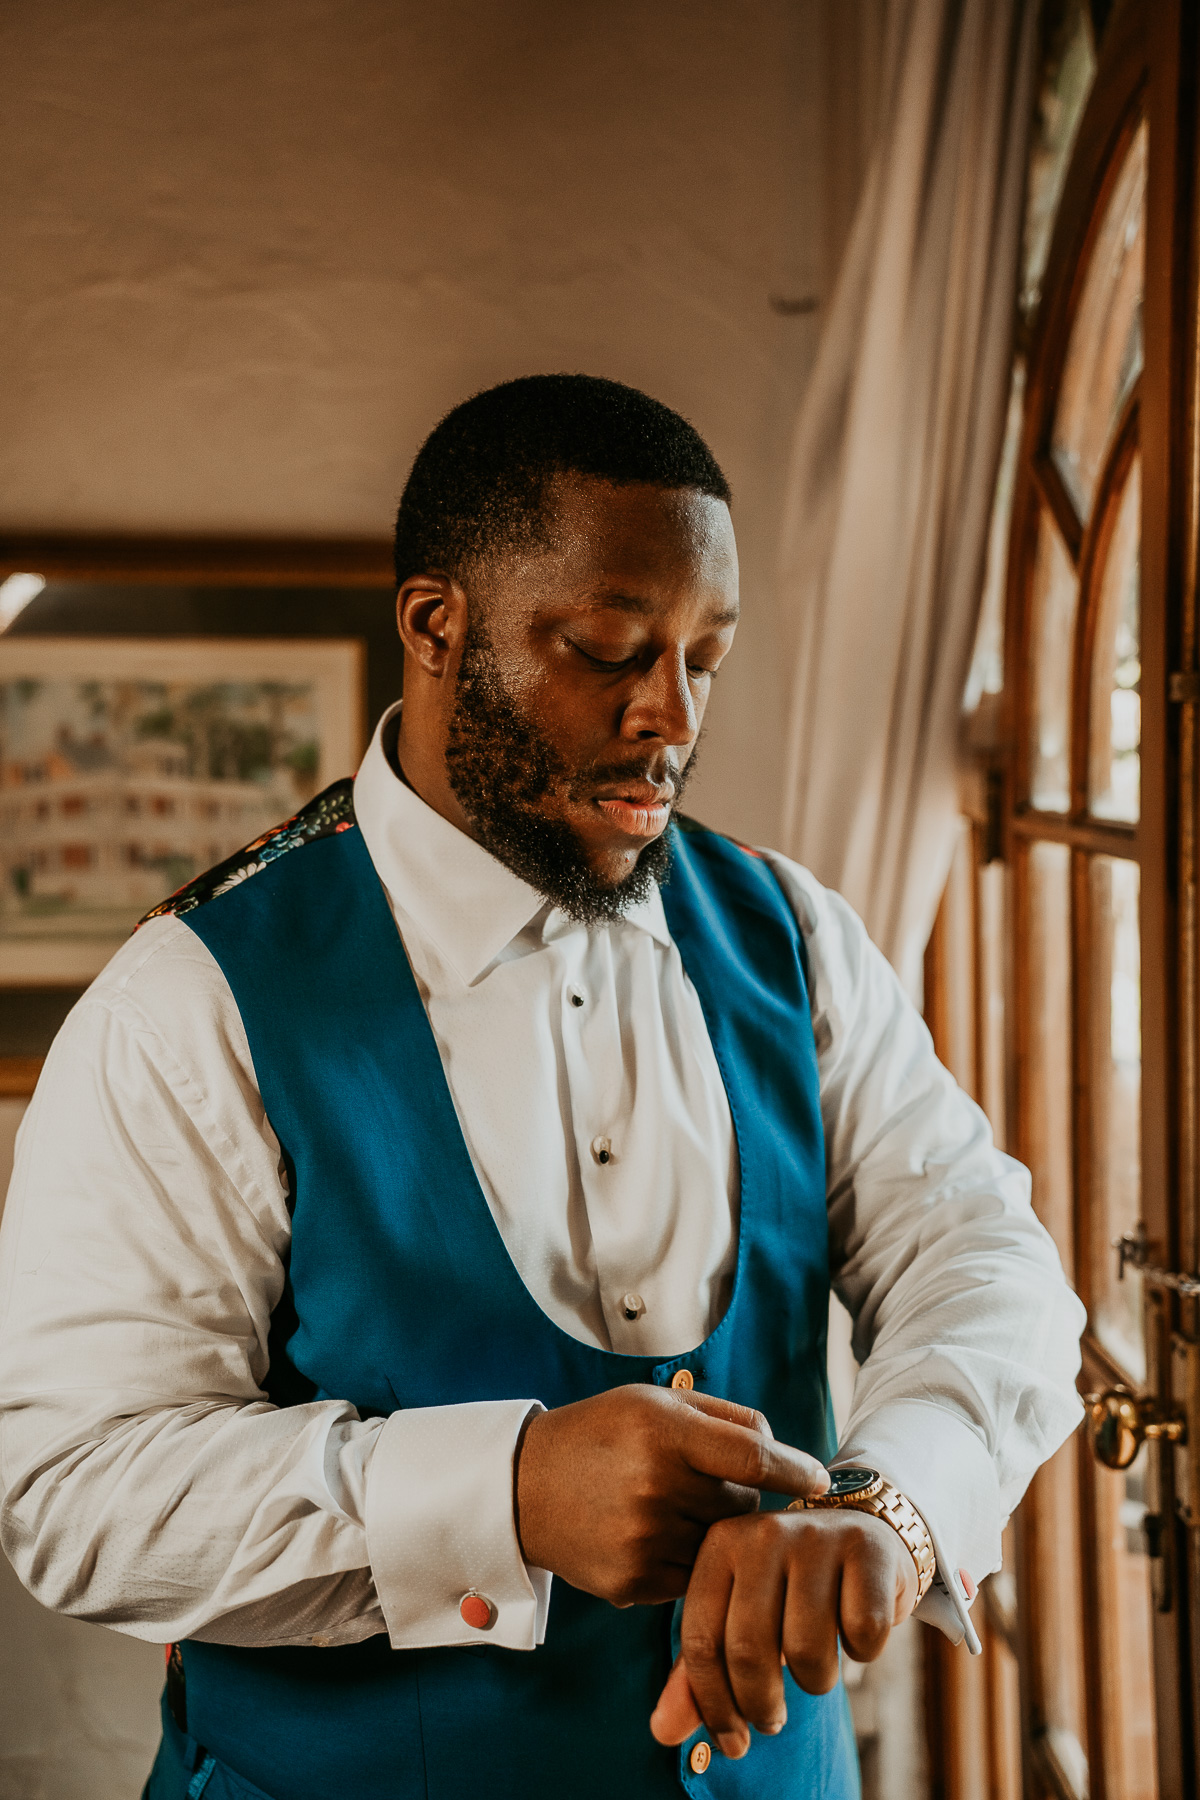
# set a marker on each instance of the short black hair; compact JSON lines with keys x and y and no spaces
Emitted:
{"x":479,"y":481}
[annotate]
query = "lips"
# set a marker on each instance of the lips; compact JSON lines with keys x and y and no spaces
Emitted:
{"x":640,"y":809}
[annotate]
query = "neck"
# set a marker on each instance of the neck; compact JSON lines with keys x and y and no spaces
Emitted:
{"x":417,"y":756}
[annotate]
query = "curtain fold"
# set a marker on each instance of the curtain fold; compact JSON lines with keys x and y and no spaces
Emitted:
{"x":890,"y":484}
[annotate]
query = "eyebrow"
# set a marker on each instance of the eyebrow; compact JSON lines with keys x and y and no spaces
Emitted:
{"x":637,"y":603}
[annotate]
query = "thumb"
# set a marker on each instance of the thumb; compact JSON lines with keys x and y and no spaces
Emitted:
{"x":676,"y":1716}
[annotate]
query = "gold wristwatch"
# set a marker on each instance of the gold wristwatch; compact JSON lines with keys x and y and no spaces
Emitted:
{"x":865,"y":1490}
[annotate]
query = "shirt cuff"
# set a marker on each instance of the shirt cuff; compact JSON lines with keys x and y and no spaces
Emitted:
{"x":941,"y":1465}
{"x":439,"y":1519}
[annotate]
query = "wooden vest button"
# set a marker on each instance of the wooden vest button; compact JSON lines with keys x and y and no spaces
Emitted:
{"x":682,"y":1378}
{"x":701,"y":1753}
{"x":476,"y":1612}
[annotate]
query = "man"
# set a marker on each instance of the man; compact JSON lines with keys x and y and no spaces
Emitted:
{"x":423,"y":1224}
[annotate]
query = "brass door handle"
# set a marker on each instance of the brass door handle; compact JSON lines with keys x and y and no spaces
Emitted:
{"x":1119,"y":1422}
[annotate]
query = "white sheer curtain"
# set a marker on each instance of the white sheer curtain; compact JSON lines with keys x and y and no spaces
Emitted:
{"x":890,"y":484}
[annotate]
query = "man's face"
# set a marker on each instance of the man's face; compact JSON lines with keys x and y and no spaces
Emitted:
{"x":583,"y":684}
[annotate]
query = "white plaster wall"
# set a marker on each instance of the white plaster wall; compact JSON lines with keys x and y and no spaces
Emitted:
{"x":252,"y":253}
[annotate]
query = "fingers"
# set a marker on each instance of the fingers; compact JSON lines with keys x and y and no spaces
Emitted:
{"x":843,"y":1583}
{"x":753,"y":1631}
{"x":702,"y":1638}
{"x":878,"y":1588}
{"x":715,"y":1445}
{"x":810,"y":1612}
{"x":778,"y":1585}
{"x":676,"y":1715}
{"x":716,"y":1408}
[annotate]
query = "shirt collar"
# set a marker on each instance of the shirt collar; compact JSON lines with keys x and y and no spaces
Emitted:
{"x":455,"y":891}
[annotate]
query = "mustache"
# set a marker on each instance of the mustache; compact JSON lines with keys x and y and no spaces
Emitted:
{"x":658,"y":771}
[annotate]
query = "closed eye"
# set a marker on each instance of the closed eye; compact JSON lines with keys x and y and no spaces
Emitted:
{"x":696,"y":671}
{"x":599,"y":662}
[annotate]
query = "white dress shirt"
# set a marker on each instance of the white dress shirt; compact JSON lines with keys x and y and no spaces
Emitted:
{"x":149,"y":1483}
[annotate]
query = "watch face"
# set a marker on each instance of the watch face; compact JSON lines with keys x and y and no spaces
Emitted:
{"x":844,"y":1483}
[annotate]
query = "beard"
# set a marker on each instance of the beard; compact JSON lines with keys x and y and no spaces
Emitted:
{"x":503,"y":769}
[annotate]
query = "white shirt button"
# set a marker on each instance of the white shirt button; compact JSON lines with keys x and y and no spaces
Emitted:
{"x":602,"y":1149}
{"x":632,"y":1305}
{"x":576,"y":998}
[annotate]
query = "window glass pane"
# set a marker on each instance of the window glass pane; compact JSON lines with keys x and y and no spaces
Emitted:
{"x":986,"y":674}
{"x":1114,"y":760}
{"x":1115,"y":1095}
{"x":1057,"y":1635}
{"x":1004,"y":1581}
{"x":992,"y":903}
{"x":1047,"y":1096}
{"x":955,"y":1032}
{"x":1104,"y":356}
{"x":1055,"y":601}
{"x":1066,"y":81}
{"x":1127,"y":1653}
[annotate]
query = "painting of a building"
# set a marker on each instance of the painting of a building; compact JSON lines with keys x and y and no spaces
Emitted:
{"x":116,"y":789}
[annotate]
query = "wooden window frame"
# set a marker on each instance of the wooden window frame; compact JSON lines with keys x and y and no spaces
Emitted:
{"x":1146,"y":70}
{"x":1148,"y":67}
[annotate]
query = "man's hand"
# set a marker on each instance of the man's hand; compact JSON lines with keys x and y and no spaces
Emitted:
{"x":615,"y":1494}
{"x":776,"y":1588}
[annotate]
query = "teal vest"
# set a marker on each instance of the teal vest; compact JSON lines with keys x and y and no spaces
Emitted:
{"x":400,"y":1293}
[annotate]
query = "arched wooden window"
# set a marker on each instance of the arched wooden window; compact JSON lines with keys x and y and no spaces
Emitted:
{"x":1077,"y":854}
{"x":1067,"y":909}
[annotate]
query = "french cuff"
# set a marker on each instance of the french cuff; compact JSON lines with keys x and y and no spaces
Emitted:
{"x":945,"y":1470}
{"x":441,"y":1532}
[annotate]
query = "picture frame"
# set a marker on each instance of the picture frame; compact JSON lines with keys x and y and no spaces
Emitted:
{"x":165,"y":611}
{"x":129,"y":765}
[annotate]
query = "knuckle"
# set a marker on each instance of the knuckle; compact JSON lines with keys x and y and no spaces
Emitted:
{"x":644,"y":1432}
{"x":815,"y":1674}
{"x":701,"y":1646}
{"x":865,"y":1643}
{"x":722,"y":1537}
{"x":638,"y":1587}
{"x":645,"y":1472}
{"x":758,"y":1461}
{"x":641,"y":1528}
{"x":742,"y":1657}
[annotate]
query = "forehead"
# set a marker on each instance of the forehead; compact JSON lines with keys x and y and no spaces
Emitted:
{"x":634,"y":537}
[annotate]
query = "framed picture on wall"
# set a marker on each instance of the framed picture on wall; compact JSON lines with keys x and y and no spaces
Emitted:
{"x":162,"y":701}
{"x":128,"y":765}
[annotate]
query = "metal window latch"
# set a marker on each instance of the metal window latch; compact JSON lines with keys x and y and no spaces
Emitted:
{"x":1132,"y":1253}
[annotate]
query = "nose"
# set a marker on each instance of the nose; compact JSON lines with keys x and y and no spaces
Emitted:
{"x":662,"y":707}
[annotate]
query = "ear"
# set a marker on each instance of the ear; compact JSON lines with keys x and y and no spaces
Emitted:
{"x":431,"y":617}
